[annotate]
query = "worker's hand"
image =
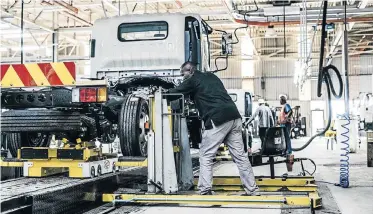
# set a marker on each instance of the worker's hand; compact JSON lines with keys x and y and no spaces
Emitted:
{"x":153,"y":89}
{"x":249,"y":151}
{"x":247,"y":123}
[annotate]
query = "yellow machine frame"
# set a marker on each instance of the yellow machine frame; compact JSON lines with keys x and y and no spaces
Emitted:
{"x":277,"y":191}
{"x":50,"y":165}
{"x":311,"y":200}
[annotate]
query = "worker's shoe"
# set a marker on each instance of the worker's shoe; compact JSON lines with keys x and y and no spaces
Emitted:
{"x":209,"y":192}
{"x":254,"y":193}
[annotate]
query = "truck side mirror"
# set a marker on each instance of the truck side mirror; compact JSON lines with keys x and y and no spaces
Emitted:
{"x":223,"y":46}
{"x":226,"y":44}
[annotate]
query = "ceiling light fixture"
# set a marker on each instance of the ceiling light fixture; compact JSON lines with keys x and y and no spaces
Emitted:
{"x":270,"y":32}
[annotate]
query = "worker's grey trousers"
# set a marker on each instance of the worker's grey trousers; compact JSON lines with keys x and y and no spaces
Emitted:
{"x":231,"y":134}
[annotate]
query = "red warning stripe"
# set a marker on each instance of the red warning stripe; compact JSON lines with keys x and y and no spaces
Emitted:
{"x":71,"y":68}
{"x":3,"y":70}
{"x":24,"y":75}
{"x":50,"y":74}
{"x":37,"y":74}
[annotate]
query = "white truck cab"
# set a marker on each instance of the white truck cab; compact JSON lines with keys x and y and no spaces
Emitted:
{"x":148,"y":45}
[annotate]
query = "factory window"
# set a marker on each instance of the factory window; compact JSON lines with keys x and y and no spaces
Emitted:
{"x":234,"y":97}
{"x":142,"y":31}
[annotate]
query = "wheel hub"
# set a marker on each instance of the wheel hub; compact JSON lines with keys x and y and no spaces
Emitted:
{"x":143,"y":137}
{"x":36,"y":139}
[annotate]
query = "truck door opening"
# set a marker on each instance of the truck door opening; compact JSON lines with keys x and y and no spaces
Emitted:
{"x":248,"y":105}
{"x":193,"y":41}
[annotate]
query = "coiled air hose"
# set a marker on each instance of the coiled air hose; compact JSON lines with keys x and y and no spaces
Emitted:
{"x":324,"y":76}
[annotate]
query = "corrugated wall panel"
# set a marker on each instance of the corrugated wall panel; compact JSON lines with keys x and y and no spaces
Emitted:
{"x":278,"y":77}
{"x":314,"y":91}
{"x":233,"y":70}
{"x":354,"y":86}
{"x":353,"y":64}
{"x":357,"y":84}
{"x":274,"y":68}
{"x":356,"y":64}
{"x":366,"y":64}
{"x":232,"y":76}
{"x":365,"y":83}
{"x":248,"y":84}
{"x":232,"y":83}
{"x":274,"y":86}
{"x":360,"y":71}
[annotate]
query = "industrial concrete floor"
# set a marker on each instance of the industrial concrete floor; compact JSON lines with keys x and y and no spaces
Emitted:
{"x":356,"y":199}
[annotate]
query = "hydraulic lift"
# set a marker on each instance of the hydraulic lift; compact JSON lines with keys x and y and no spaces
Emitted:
{"x":170,"y":178}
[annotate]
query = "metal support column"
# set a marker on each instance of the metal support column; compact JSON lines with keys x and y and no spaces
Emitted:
{"x":345,"y":61}
{"x":55,"y":38}
{"x":272,"y":167}
{"x":55,"y":46}
{"x":22,"y":53}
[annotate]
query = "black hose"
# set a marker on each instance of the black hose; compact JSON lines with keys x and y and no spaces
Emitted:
{"x":313,"y":162}
{"x":221,"y":57}
{"x":324,"y":76}
{"x":232,"y":43}
{"x":226,"y":44}
{"x":322,"y":50}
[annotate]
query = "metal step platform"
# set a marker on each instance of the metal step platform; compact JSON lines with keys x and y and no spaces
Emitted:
{"x":82,"y":162}
{"x":59,"y":194}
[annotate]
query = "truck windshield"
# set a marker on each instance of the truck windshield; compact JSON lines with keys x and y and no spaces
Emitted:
{"x":234,"y":97}
{"x":142,"y":31}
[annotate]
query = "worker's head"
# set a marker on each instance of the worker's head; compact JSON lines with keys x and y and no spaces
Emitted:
{"x":261,"y":102}
{"x":282,"y":100}
{"x":187,"y":69}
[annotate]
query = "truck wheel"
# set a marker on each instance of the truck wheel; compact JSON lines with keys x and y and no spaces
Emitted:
{"x":14,"y":143}
{"x":132,"y":132}
{"x":35,"y":139}
{"x":3,"y":139}
{"x":28,"y":139}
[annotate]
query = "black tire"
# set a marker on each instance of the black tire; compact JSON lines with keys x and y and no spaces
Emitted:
{"x":27,"y":139}
{"x":132,"y":111}
{"x":14,"y":143}
{"x":40,"y":121}
{"x":93,"y":172}
{"x":195,"y":132}
{"x":99,"y":170}
{"x":3,"y":139}
{"x":90,"y":123}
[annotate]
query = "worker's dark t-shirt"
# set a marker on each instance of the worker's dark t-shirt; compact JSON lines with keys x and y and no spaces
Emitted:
{"x":210,"y":97}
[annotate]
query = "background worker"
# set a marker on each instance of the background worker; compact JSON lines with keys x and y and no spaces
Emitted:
{"x":222,"y":123}
{"x":285,"y":120}
{"x":265,"y":119}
